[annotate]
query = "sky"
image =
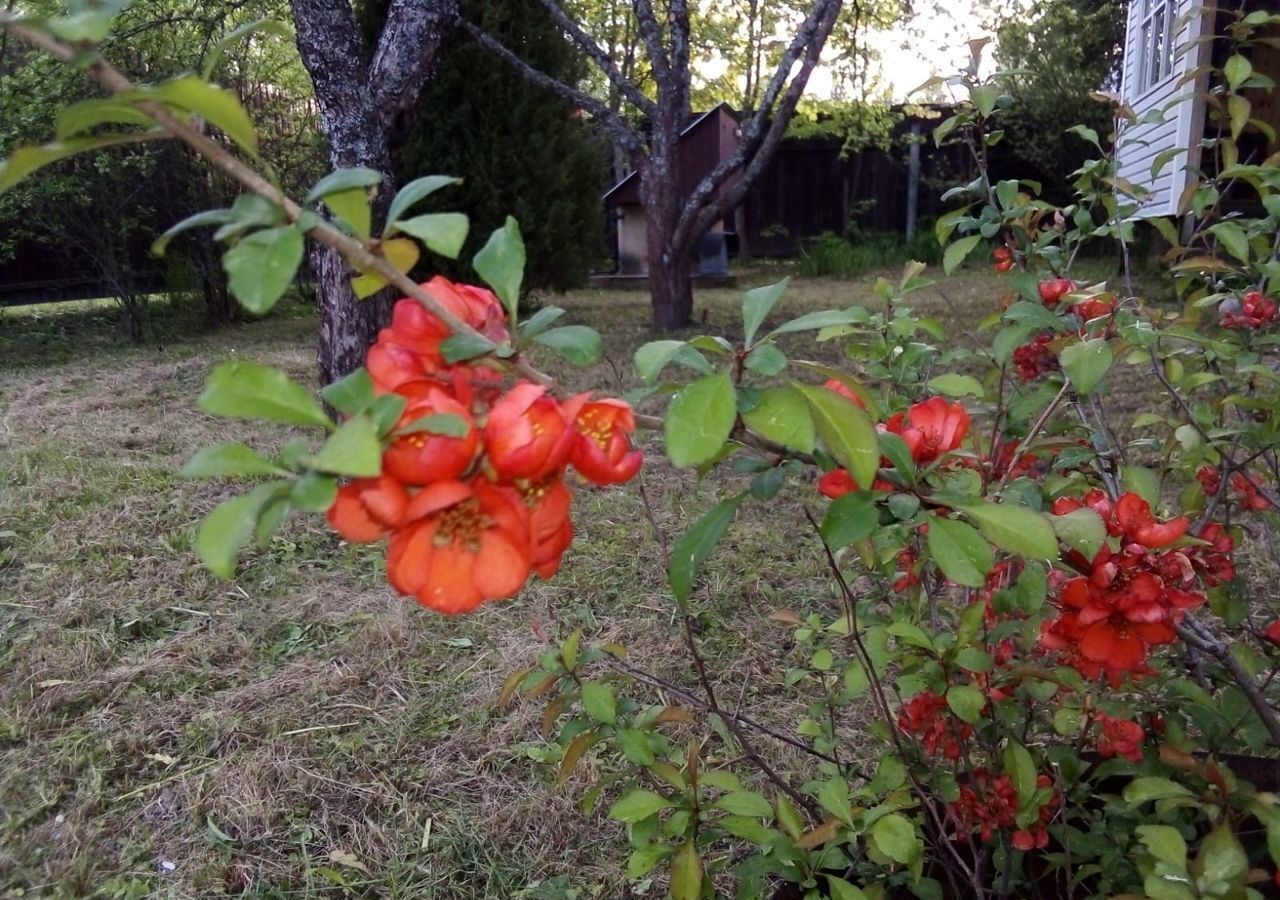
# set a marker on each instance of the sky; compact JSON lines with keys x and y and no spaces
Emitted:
{"x":933,"y":43}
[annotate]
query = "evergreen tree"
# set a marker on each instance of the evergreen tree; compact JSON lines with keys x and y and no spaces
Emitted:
{"x":521,"y":150}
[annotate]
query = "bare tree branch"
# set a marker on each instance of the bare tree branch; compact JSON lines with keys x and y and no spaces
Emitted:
{"x":651,"y":35}
{"x":600,"y":57}
{"x":407,"y":50}
{"x":757,"y":146}
{"x":611,"y":120}
{"x":680,"y":40}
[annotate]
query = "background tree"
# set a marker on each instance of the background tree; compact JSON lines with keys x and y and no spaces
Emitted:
{"x":529,"y":155}
{"x":1061,"y":52}
{"x":112,"y":204}
{"x":675,"y":223}
{"x":365,"y":92}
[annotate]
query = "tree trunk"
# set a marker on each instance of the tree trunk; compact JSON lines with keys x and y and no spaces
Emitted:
{"x":671,"y":290}
{"x":670,"y":282}
{"x":361,"y":97}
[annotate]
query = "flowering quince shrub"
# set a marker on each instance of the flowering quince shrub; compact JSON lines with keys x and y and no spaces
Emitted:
{"x":1040,"y":671}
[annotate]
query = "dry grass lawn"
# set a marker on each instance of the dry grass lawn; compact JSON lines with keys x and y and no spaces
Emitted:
{"x":301,"y":731}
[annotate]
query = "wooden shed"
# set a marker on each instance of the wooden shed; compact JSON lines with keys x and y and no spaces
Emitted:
{"x":706,"y":141}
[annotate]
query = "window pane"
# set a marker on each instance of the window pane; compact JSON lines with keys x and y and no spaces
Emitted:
{"x":1144,"y":57}
{"x":1159,"y":47}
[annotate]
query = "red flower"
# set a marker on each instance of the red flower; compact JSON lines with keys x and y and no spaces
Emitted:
{"x":927,"y":716}
{"x":1035,"y":358}
{"x":468,"y":543}
{"x":1120,"y":737}
{"x":603,"y":453}
{"x":990,"y":803}
{"x":836,"y":483}
{"x":931,"y":429}
{"x":1272,"y":632}
{"x":1055,"y":289}
{"x":836,"y":386}
{"x":1004,"y":259}
{"x":528,"y":434}
{"x":550,"y":528}
{"x":367,"y":508}
{"x":422,"y":457}
{"x":1254,"y":311}
{"x":1095,"y":308}
{"x":1133,"y":514}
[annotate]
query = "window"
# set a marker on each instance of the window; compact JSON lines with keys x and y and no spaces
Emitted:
{"x":1155,"y":42}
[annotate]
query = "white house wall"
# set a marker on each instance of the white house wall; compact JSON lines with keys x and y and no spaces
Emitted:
{"x":1140,"y":145}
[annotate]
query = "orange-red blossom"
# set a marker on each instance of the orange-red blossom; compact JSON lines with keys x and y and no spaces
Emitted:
{"x":474,"y":509}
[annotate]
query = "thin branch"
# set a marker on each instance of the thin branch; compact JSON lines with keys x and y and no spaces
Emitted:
{"x":602,"y":59}
{"x":622,"y":132}
{"x":651,"y":36}
{"x":1195,"y":634}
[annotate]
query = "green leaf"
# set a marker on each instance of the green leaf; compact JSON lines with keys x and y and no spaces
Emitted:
{"x":229,"y":460}
{"x":686,"y":873}
{"x":460,"y":347}
{"x":354,"y":449}
{"x":413,"y":192}
{"x":442,"y":233}
{"x":653,"y":357}
{"x":839,"y":889}
{"x":261,"y":266}
{"x":971,"y":659}
{"x":958,"y":251}
{"x":500,"y":263}
{"x":342,"y":180}
{"x":1142,"y":481}
{"x":955,"y":385}
{"x":967,"y":702}
{"x":540,"y":321}
{"x":1021,"y":769}
{"x":208,"y":217}
{"x":1086,"y":363}
{"x":746,"y":803}
{"x":1082,"y":530}
{"x":86,"y":114}
{"x":245,"y":390}
{"x":782,"y":416}
{"x":849,"y":519}
{"x":963,"y":555}
{"x":1147,"y":788}
{"x":638,"y":805}
{"x":352,"y":394}
{"x":834,"y":798}
{"x":353,"y":209}
{"x":217,"y":106}
{"x":699,"y":420}
{"x":822,"y":319}
{"x":314,"y":492}
{"x":1222,"y":863}
{"x":25,"y":160}
{"x":597,"y":700}
{"x":634,"y":745}
{"x":1165,"y":843}
{"x":896,"y":838}
{"x":766,"y":359}
{"x":1233,"y":239}
{"x":697,"y":543}
{"x":229,"y":527}
{"x":577,"y":343}
{"x":756,"y":305}
{"x":1237,"y":69}
{"x":1016,"y":529}
{"x":846,"y":431}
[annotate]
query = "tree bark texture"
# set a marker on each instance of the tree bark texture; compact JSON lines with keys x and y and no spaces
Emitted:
{"x":362,"y":97}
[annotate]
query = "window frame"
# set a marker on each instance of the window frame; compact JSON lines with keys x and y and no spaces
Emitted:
{"x":1154,"y":46}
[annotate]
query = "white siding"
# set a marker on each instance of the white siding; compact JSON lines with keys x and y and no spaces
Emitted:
{"x":1139,"y":145}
